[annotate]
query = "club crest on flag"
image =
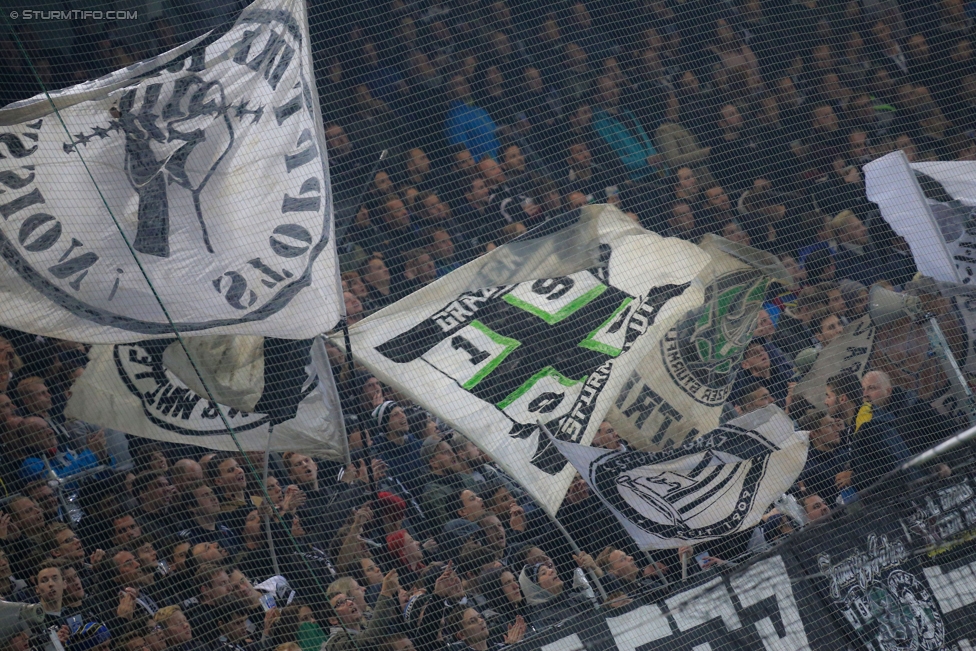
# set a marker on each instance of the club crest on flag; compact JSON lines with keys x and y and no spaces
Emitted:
{"x":166,"y":401}
{"x":707,"y":494}
{"x":208,"y":165}
{"x":703,"y":350}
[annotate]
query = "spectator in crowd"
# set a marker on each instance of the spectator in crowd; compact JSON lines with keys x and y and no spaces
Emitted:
{"x":825,"y":472}
{"x":876,"y":447}
{"x":185,"y":473}
{"x":203,"y":507}
{"x":38,"y":444}
{"x":758,"y":367}
{"x":395,"y":445}
{"x":855,"y":296}
{"x":620,"y":130}
{"x":176,"y":630}
{"x":349,"y":630}
{"x":155,"y":495}
{"x":636,"y":581}
{"x":919,"y":424}
{"x":793,"y":331}
{"x":855,"y":259}
{"x":751,"y":396}
{"x":467,"y":124}
{"x":549,"y":600}
{"x":826,"y":326}
{"x":442,"y":483}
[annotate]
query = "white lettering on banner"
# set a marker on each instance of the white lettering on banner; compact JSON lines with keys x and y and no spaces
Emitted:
{"x":703,"y":604}
{"x":765,"y":579}
{"x":570,"y":643}
{"x":638,"y":627}
{"x":953,"y":589}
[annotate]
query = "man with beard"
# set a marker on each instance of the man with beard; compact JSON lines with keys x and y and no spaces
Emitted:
{"x":827,"y":457}
{"x":876,"y":447}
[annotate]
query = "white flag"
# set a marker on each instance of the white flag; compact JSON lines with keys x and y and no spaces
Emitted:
{"x":679,"y":389}
{"x":544,"y":328}
{"x":209,"y":161}
{"x":929,"y":204}
{"x":848,"y":353}
{"x":712,"y":486}
{"x":126,"y":387}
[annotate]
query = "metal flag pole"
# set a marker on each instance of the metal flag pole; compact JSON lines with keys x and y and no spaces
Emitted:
{"x":569,"y":539}
{"x":341,"y":231}
{"x":267,"y":517}
{"x":647,"y":554}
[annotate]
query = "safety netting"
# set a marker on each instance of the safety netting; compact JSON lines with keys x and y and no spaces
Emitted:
{"x":467,"y":324}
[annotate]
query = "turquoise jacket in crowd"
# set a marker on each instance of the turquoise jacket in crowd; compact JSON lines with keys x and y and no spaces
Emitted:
{"x":632,"y":149}
{"x":472,"y":127}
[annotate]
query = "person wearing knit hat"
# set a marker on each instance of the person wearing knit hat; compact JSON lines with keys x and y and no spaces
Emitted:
{"x":392,"y":510}
{"x":855,"y":297}
{"x":548,"y":600}
{"x":397,"y":447}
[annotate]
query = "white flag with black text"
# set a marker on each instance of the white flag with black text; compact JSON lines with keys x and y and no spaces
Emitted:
{"x":680,"y":388}
{"x":545,"y":328}
{"x":127,"y":387}
{"x":710,"y":486}
{"x":203,"y":168}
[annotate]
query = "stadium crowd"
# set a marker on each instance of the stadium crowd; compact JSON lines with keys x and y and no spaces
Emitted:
{"x":749,"y":119}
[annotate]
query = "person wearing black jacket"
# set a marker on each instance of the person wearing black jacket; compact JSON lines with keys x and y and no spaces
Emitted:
{"x":876,"y":448}
{"x":919,"y":424}
{"x":326,"y":506}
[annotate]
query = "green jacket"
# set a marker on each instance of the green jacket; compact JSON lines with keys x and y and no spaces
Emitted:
{"x":437,"y":494}
{"x":386,"y":616}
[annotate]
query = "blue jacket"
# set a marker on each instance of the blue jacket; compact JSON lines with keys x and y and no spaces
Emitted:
{"x":472,"y":127}
{"x":64,"y":463}
{"x":632,"y":147}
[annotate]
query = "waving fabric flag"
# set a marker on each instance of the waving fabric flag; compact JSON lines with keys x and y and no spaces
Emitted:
{"x":679,"y":389}
{"x":208,"y":161}
{"x":542,"y":329}
{"x":127,"y":387}
{"x":711,"y":486}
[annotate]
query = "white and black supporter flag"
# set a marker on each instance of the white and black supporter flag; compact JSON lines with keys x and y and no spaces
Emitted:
{"x":543,"y":329}
{"x":208,"y":161}
{"x":128,"y":387}
{"x":711,"y":486}
{"x":679,"y":389}
{"x":931,"y":205}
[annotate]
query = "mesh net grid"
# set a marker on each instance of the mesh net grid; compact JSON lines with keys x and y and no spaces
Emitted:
{"x":656,"y":328}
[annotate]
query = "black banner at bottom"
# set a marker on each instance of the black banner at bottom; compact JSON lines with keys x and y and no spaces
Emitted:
{"x":895,"y":571}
